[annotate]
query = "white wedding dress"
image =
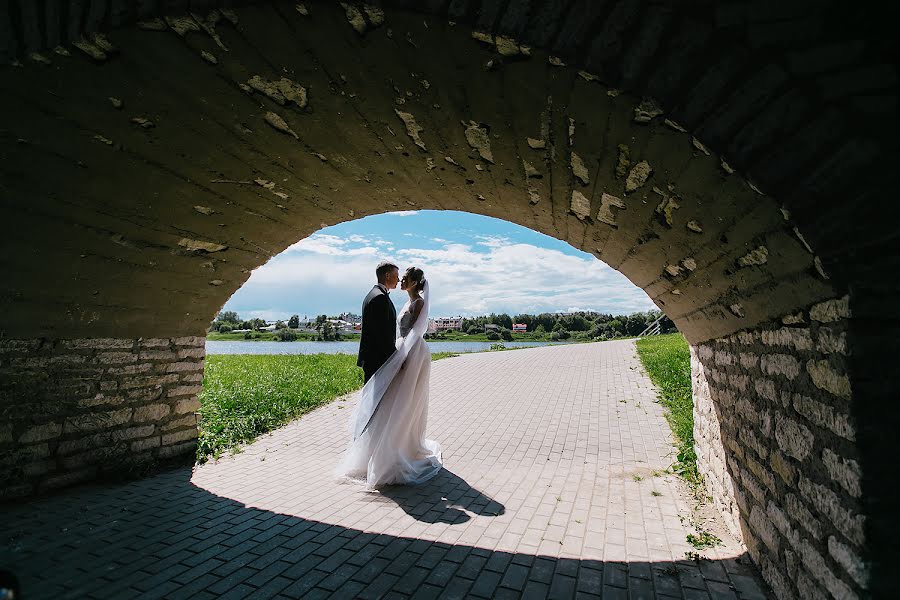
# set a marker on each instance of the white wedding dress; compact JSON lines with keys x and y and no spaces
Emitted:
{"x":388,"y":424}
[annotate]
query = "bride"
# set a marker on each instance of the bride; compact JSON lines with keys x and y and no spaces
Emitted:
{"x":388,"y":425}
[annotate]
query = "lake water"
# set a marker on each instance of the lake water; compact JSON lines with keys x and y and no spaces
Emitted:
{"x":213,"y":347}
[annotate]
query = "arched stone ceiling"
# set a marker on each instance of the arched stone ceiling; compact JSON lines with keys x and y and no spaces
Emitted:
{"x":232,"y":135}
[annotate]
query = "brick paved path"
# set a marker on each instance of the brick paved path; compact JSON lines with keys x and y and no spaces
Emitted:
{"x":548,"y":491}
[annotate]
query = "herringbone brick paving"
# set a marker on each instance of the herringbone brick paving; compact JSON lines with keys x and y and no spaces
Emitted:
{"x":551,"y":455}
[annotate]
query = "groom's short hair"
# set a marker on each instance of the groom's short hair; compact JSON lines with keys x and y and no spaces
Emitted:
{"x":383,"y":268}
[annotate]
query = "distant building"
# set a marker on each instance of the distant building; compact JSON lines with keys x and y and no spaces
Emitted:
{"x":447,"y":323}
{"x":350,"y":317}
{"x":519,"y":328}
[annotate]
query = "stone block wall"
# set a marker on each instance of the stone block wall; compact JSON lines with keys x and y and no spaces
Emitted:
{"x":75,"y":409}
{"x":776,"y":443}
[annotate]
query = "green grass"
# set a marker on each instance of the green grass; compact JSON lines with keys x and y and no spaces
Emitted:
{"x":246,"y":395}
{"x":668,"y":362}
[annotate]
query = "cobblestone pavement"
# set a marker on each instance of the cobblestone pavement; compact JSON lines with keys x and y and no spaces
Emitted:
{"x":552,"y":489}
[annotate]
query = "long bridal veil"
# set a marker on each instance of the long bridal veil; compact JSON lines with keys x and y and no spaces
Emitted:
{"x":388,"y":424}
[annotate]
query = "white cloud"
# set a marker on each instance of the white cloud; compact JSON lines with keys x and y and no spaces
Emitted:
{"x":326,"y":273}
{"x":405,"y":213}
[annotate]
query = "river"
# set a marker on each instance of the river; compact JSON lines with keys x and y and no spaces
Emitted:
{"x":238,"y":347}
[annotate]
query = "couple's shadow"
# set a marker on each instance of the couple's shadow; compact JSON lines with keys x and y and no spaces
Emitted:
{"x":446,"y":498}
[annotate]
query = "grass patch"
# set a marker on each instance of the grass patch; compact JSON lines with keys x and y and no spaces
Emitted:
{"x":668,"y":362}
{"x":246,"y":395}
{"x":703,"y":541}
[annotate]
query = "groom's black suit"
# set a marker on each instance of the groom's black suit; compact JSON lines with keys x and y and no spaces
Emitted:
{"x":379,"y":330}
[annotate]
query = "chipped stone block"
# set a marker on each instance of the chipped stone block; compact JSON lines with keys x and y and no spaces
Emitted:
{"x":153,"y":412}
{"x":780,"y":364}
{"x":179,"y":436}
{"x":794,"y":319}
{"x":533,"y":197}
{"x":580,"y":206}
{"x":530,"y":170}
{"x":182,"y":25}
{"x":765,"y":388}
{"x":638,"y":176}
{"x":819,"y":569}
{"x":187,"y":405}
{"x":667,"y":206}
{"x":201,"y":246}
{"x":830,"y":311}
{"x":845,"y":471}
{"x":579,"y":170}
{"x":180,"y":423}
{"x":783,"y":467}
{"x":185,"y":390}
{"x":279,"y":124}
{"x":829,"y":341}
{"x":478,"y":138}
{"x":90,"y":49}
{"x":763,"y":527}
{"x":672,"y":124}
{"x":800,"y":339}
{"x":282,"y":91}
{"x":829,"y":504}
{"x":757,"y":256}
{"x":825,"y":416}
{"x":825,"y":377}
{"x":536,"y":144}
{"x":413,"y":129}
{"x":850,"y":560}
{"x":609,"y":206}
{"x":146,"y":444}
{"x":647,"y":110}
{"x":793,"y":438}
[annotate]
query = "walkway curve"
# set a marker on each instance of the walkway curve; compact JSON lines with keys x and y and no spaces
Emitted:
{"x":552,"y":488}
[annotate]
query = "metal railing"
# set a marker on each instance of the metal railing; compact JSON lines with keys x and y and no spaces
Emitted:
{"x":653,"y":328}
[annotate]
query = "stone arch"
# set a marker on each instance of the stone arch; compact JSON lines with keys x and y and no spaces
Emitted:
{"x":150,"y":168}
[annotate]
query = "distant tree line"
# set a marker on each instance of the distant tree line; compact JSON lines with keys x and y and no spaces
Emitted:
{"x":228,"y":320}
{"x":576,"y":325}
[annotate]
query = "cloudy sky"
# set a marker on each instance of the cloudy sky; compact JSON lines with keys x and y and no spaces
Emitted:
{"x":474,"y":265}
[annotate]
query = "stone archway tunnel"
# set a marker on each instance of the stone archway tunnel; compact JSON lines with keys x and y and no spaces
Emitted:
{"x":728,"y":158}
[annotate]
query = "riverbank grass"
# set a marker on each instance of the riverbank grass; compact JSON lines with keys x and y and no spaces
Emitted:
{"x":246,"y":395}
{"x":668,"y":362}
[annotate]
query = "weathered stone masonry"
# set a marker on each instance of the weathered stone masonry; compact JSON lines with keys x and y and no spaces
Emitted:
{"x":79,"y":408}
{"x":776,"y":444}
{"x":727,"y":157}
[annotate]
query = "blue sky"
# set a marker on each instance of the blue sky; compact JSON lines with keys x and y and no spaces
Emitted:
{"x":474,"y":264}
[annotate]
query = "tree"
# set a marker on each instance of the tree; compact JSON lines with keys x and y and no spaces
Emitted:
{"x":473,"y":329}
{"x":540,"y":330}
{"x":228,"y":316}
{"x":506,"y":334}
{"x":280,"y":325}
{"x":285,"y":335}
{"x":294,"y":322}
{"x":493,"y":336}
{"x":320,"y":319}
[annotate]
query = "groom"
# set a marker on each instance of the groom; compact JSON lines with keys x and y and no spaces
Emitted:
{"x":379,"y":321}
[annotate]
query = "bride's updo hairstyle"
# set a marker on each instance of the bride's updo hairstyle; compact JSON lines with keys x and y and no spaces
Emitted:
{"x":416,"y":274}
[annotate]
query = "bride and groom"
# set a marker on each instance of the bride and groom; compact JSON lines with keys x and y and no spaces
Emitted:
{"x":388,"y":424}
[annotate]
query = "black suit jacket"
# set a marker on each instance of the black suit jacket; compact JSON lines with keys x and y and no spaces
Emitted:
{"x":379,"y":330}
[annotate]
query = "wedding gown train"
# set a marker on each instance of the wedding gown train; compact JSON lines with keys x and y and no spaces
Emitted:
{"x":388,"y":425}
